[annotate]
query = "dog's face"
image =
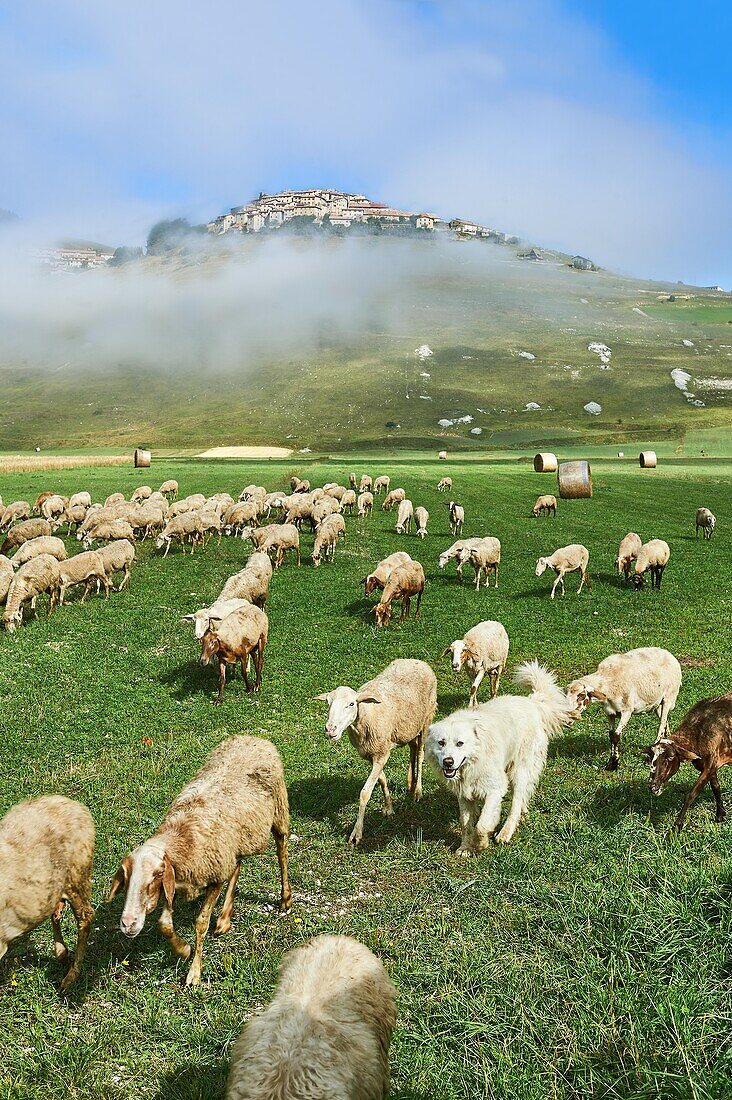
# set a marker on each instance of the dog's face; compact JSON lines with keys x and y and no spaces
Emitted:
{"x":449,"y":744}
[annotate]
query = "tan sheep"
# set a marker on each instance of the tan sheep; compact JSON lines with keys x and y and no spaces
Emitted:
{"x":444,"y":485}
{"x":108,"y":531}
{"x":627,"y":553}
{"x":706,"y":521}
{"x":114,"y":498}
{"x":37,"y":576}
{"x":224,"y":814}
{"x":54,"y":510}
{"x":80,"y":500}
{"x":240,"y":635}
{"x":653,"y":557}
{"x":46,"y":855}
{"x":118,"y":557}
{"x":365,"y":484}
{"x":485,"y":557}
{"x":569,"y":559}
{"x":12,"y":513}
{"x":352,"y":480}
{"x":210,"y":618}
{"x":85,"y":568}
{"x":365,"y":504}
{"x":393,"y":497}
{"x":6,"y":576}
{"x":169,"y":489}
{"x":405,"y":514}
{"x":383,"y":571}
{"x":348,"y":501}
{"x":46,"y":544}
{"x":24,"y":532}
{"x":421,"y":518}
{"x":546,"y":505}
{"x":457,"y":518}
{"x":484,"y":649}
{"x":187,"y":529}
{"x":404,"y":582}
{"x":330,"y":1024}
{"x":252,"y":582}
{"x":381,"y":485}
{"x":453,"y":554}
{"x":327,"y":535}
{"x":275,"y":538}
{"x":243,"y":514}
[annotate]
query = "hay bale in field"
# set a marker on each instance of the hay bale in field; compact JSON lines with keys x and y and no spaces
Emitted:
{"x":442,"y":454}
{"x":143,"y":458}
{"x":647,"y":460}
{"x":545,"y":462}
{"x":575,"y":480}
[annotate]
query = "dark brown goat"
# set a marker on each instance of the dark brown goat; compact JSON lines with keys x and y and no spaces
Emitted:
{"x":704,"y":738}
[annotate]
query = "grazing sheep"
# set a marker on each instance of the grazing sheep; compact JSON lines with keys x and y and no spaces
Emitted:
{"x":277,"y":538}
{"x":404,"y":581}
{"x":444,"y":484}
{"x":627,"y":553}
{"x":169,"y":489}
{"x":251,"y":583}
{"x":395,"y":708}
{"x":653,"y":557}
{"x":569,"y":559}
{"x":118,"y":557}
{"x":75,"y":516}
{"x":704,"y":738}
{"x":485,"y":557}
{"x":330,"y":1025}
{"x":108,"y":531}
{"x":225,"y":813}
{"x":237,"y":636}
{"x":25,"y":531}
{"x":337,"y":492}
{"x":405,"y":512}
{"x":627,"y":684}
{"x":546,"y":505}
{"x":366,"y":483}
{"x":352,"y":480}
{"x":94,"y":515}
{"x":327,"y":507}
{"x":6,"y":576}
{"x":453,"y":554}
{"x":348,"y":501}
{"x":421,"y":518}
{"x":46,"y":544}
{"x":210,"y":618}
{"x":484,"y":649}
{"x":114,"y":498}
{"x":83,"y":569}
{"x":383,"y":571}
{"x":457,"y":518}
{"x":705,"y":520}
{"x":477,"y":753}
{"x":46,"y":855}
{"x":243,"y":514}
{"x":81,"y":500}
{"x":393,"y":497}
{"x":381,"y":485}
{"x":365,"y":504}
{"x":37,"y":576}
{"x":54,"y":510}
{"x":186,"y":528}
{"x":19,"y":509}
{"x":327,"y":535}
{"x":301,"y":486}
{"x":271,"y":501}
{"x":36,"y":509}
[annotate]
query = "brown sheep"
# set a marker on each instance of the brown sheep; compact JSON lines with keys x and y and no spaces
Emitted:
{"x":404,"y":582}
{"x":239,"y":635}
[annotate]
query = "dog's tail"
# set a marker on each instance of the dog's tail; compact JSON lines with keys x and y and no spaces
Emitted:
{"x":555,"y":708}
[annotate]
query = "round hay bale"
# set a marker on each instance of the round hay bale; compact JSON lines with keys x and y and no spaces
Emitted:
{"x":143,"y":458}
{"x":647,"y":460}
{"x":545,"y":462}
{"x":442,"y":454}
{"x":575,"y":480}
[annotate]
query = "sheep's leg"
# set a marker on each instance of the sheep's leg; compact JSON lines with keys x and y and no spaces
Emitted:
{"x":714,"y":784}
{"x":165,"y":924}
{"x":363,"y":799}
{"x":412,"y":769}
{"x":203,"y":920}
{"x":417,"y":779}
{"x":61,"y":594}
{"x":280,"y":838}
{"x":222,"y":680}
{"x":405,"y":609}
{"x":84,"y":916}
{"x":223,"y":924}
{"x":614,"y":732}
{"x":419,"y":603}
{"x":660,"y":575}
{"x":495,"y":571}
{"x":663,"y":713}
{"x":60,"y":949}
{"x":125,"y":578}
{"x":475,"y":685}
{"x":495,"y":676}
{"x":167,"y":548}
{"x":258,"y":664}
{"x":556,"y":582}
{"x":244,"y":667}
{"x":388,"y":804}
{"x":692,"y":796}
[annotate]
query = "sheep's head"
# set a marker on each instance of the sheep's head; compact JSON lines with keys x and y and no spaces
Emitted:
{"x":580,"y":694}
{"x":12,"y":620}
{"x":382,"y":612}
{"x":143,"y":875}
{"x":209,"y":646}
{"x":664,"y":759}
{"x":343,"y":704}
{"x":459,"y":653}
{"x":638,"y":581}
{"x":541,"y":566}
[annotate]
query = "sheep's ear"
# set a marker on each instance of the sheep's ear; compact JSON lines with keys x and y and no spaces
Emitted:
{"x":121,"y":879}
{"x":361,"y":698}
{"x":188,"y":619}
{"x":446,"y":651}
{"x":168,"y":881}
{"x":646,"y":754}
{"x":324,"y":698}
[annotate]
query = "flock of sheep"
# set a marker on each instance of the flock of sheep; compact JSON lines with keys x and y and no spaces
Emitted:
{"x":326,"y":1034}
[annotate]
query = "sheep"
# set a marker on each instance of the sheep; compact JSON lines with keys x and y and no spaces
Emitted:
{"x":569,"y":559}
{"x":457,"y":518}
{"x":6,"y":576}
{"x":627,"y":553}
{"x":225,"y":813}
{"x":118,"y":557}
{"x":485,"y":557}
{"x":54,"y":509}
{"x":94,"y":515}
{"x":484,"y":649}
{"x":336,"y":491}
{"x":421,"y":517}
{"x":82,"y":500}
{"x":298,"y":508}
{"x":365,"y":504}
{"x":210,"y":618}
{"x":704,"y":738}
{"x":151,"y":519}
{"x":453,"y":554}
{"x":25,"y":531}
{"x":323,"y":508}
{"x":330,"y":1024}
{"x":83,"y":569}
{"x":404,"y":582}
{"x":253,"y":492}
{"x":108,"y":531}
{"x":705,"y":520}
{"x":75,"y":516}
{"x":327,"y":535}
{"x":169,"y":489}
{"x":272,"y":500}
{"x":114,"y":498}
{"x":366,"y":483}
{"x":394,"y":496}
{"x":11,"y":513}
{"x":348,"y":501}
{"x":250,"y":583}
{"x":627,"y":684}
{"x":277,"y":537}
{"x":546,"y":505}
{"x":381,"y":484}
{"x":405,"y":514}
{"x":46,"y":544}
{"x":444,"y":484}
{"x":36,"y":509}
{"x":243,"y":514}
{"x":653,"y":557}
{"x":46,"y":856}
{"x":301,"y":486}
{"x":383,"y":571}
{"x":186,"y":528}
{"x":394,"y":708}
{"x":352,"y":481}
{"x":210,"y":525}
{"x":37,"y":576}
{"x":240,"y":634}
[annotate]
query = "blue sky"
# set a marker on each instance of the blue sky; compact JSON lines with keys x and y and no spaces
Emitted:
{"x":597,"y":127}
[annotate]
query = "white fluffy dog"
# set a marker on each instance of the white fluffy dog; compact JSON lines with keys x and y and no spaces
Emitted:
{"x":477,"y":753}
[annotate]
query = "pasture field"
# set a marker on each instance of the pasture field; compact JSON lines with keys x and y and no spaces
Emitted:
{"x":591,"y":957}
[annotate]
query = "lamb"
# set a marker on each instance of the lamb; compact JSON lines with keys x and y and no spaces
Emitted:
{"x":37,"y":576}
{"x":383,"y":571}
{"x":395,"y":708}
{"x":186,"y":528}
{"x":46,"y":855}
{"x":705,"y":520}
{"x":25,"y":531}
{"x":704,"y":738}
{"x":627,"y":684}
{"x":277,"y":537}
{"x":11,"y":513}
{"x":366,"y":483}
{"x":404,"y":582}
{"x":569,"y":559}
{"x":457,"y":518}
{"x":46,"y":544}
{"x":83,"y":569}
{"x":327,"y":535}
{"x":484,"y":649}
{"x":453,"y":554}
{"x":210,"y":618}
{"x":365,"y":504}
{"x":238,"y":636}
{"x":169,"y":489}
{"x":627,"y":553}
{"x":393,"y":497}
{"x":444,"y":484}
{"x":348,"y":501}
{"x":485,"y":557}
{"x":405,"y":513}
{"x":6,"y":576}
{"x":653,"y":557}
{"x":381,"y":485}
{"x":546,"y":505}
{"x":118,"y":557}
{"x":225,"y":813}
{"x":250,"y":583}
{"x":108,"y":531}
{"x":330,"y":1024}
{"x":421,"y":517}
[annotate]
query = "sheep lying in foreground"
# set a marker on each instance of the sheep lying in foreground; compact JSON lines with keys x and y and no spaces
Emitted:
{"x":485,"y":557}
{"x":477,"y":753}
{"x":546,"y":505}
{"x":627,"y":684}
{"x":238,"y":636}
{"x":382,"y":572}
{"x":653,"y":557}
{"x":329,"y":1025}
{"x":118,"y":557}
{"x":404,"y":581}
{"x":46,"y":544}
{"x":704,"y":738}
{"x":84,"y":568}
{"x":6,"y":576}
{"x":484,"y":649}
{"x":24,"y":532}
{"x":627,"y":553}
{"x":46,"y":854}
{"x":395,"y":708}
{"x":252,"y":582}
{"x":37,"y":576}
{"x":225,"y":813}
{"x":421,"y":518}
{"x":569,"y":559}
{"x":706,"y":521}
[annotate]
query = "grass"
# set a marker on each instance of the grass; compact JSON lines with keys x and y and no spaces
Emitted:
{"x":590,"y":958}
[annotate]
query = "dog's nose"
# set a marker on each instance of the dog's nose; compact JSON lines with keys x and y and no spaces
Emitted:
{"x":448,"y":762}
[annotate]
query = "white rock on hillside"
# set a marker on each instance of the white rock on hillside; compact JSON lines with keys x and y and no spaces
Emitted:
{"x":593,"y":408}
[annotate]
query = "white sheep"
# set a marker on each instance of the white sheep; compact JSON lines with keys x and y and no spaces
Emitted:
{"x":453,"y":554}
{"x":405,"y":512}
{"x":118,"y":557}
{"x":6,"y":576}
{"x":546,"y":505}
{"x":37,"y":576}
{"x":705,"y":520}
{"x":485,"y":557}
{"x":327,"y":534}
{"x":108,"y":531}
{"x":653,"y":557}
{"x":365,"y":504}
{"x":251,"y":583}
{"x":627,"y":553}
{"x":169,"y":488}
{"x":382,"y":572}
{"x":393,"y":497}
{"x":421,"y":518}
{"x":84,"y":568}
{"x":457,"y":518}
{"x":210,"y":618}
{"x":275,"y":538}
{"x":381,"y":485}
{"x":444,"y":484}
{"x":348,"y":501}
{"x":46,"y":544}
{"x":484,"y":649}
{"x":186,"y":528}
{"x":366,"y":483}
{"x":568,"y":559}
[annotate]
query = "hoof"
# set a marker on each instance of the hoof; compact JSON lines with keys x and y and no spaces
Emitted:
{"x":69,"y":980}
{"x":612,"y":764}
{"x":222,"y":927}
{"x":193,"y":977}
{"x":465,"y":853}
